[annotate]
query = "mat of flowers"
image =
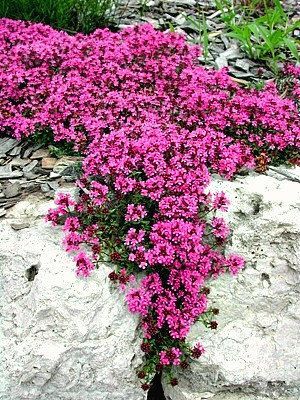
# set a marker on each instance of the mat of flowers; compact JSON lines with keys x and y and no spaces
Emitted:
{"x":153,"y":125}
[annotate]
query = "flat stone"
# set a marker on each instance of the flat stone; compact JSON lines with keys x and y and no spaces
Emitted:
{"x":12,"y":190}
{"x":152,"y":3}
{"x":50,"y":194}
{"x":240,"y":74}
{"x":284,"y":173}
{"x":214,"y":15}
{"x":19,"y":162}
{"x":225,"y":41}
{"x":28,"y":152}
{"x":54,"y":175}
{"x":48,"y":162}
{"x":10,"y":202}
{"x":6,"y":172}
{"x":40,"y":153}
{"x":42,"y":171}
{"x":2,"y":212}
{"x":15,"y":151}
{"x":221,"y":62}
{"x":63,"y":163}
{"x":181,"y":19}
{"x":242,"y":64}
{"x":29,"y":167}
{"x":151,"y":21}
{"x":69,"y":178}
{"x":232,"y":53}
{"x":19,"y":226}
{"x":53,"y":185}
{"x":7,"y":144}
{"x":45,"y":187}
{"x":30,"y":175}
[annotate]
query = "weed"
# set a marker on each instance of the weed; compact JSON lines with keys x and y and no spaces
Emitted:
{"x":59,"y":149}
{"x":200,"y":25}
{"x":70,"y":15}
{"x":267,"y":37}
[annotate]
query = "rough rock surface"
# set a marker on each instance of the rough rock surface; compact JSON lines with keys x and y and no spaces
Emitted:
{"x":62,"y":338}
{"x":255,"y":352}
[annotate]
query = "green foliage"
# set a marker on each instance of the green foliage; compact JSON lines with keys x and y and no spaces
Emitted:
{"x":228,"y":12}
{"x":56,"y":149}
{"x":62,"y":149}
{"x":200,"y":25}
{"x":267,"y":37}
{"x":70,"y":15}
{"x":143,"y":7}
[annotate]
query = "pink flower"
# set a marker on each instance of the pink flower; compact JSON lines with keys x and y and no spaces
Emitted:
{"x":235,"y":263}
{"x":98,"y":193}
{"x":134,"y":238}
{"x":171,"y":356}
{"x":197,"y":350}
{"x":220,"y":202}
{"x":220,"y":228}
{"x":134,"y":213}
{"x":84,"y":265}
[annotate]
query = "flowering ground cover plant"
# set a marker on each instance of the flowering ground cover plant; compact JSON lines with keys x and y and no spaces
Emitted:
{"x":153,"y":126}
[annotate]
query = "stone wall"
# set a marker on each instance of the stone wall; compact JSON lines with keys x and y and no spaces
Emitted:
{"x":255,"y":352}
{"x":65,"y":338}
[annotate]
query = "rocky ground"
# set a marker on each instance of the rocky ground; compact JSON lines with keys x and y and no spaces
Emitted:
{"x":27,"y":168}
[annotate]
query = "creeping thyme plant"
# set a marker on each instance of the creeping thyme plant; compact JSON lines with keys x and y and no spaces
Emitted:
{"x":153,"y":126}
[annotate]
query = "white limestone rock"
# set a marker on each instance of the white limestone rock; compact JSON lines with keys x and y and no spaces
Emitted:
{"x":255,"y":352}
{"x":62,"y":338}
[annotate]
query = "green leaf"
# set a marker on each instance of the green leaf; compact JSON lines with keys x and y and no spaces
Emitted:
{"x":292,"y":46}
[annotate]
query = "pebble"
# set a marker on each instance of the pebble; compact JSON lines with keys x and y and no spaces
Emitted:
{"x":53,"y":185}
{"x":39,"y":154}
{"x":30,"y":175}
{"x":29,"y":167}
{"x":63,"y":163}
{"x":28,"y":152}
{"x":6,"y":172}
{"x":7,"y":144}
{"x":15,"y":151}
{"x":19,"y":226}
{"x":54,"y":175}
{"x":48,"y":162}
{"x":19,"y":162}
{"x":242,"y":64}
{"x":45,"y":187}
{"x":12,"y":190}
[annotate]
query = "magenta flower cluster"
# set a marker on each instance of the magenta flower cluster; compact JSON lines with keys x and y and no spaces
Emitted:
{"x":153,"y":126}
